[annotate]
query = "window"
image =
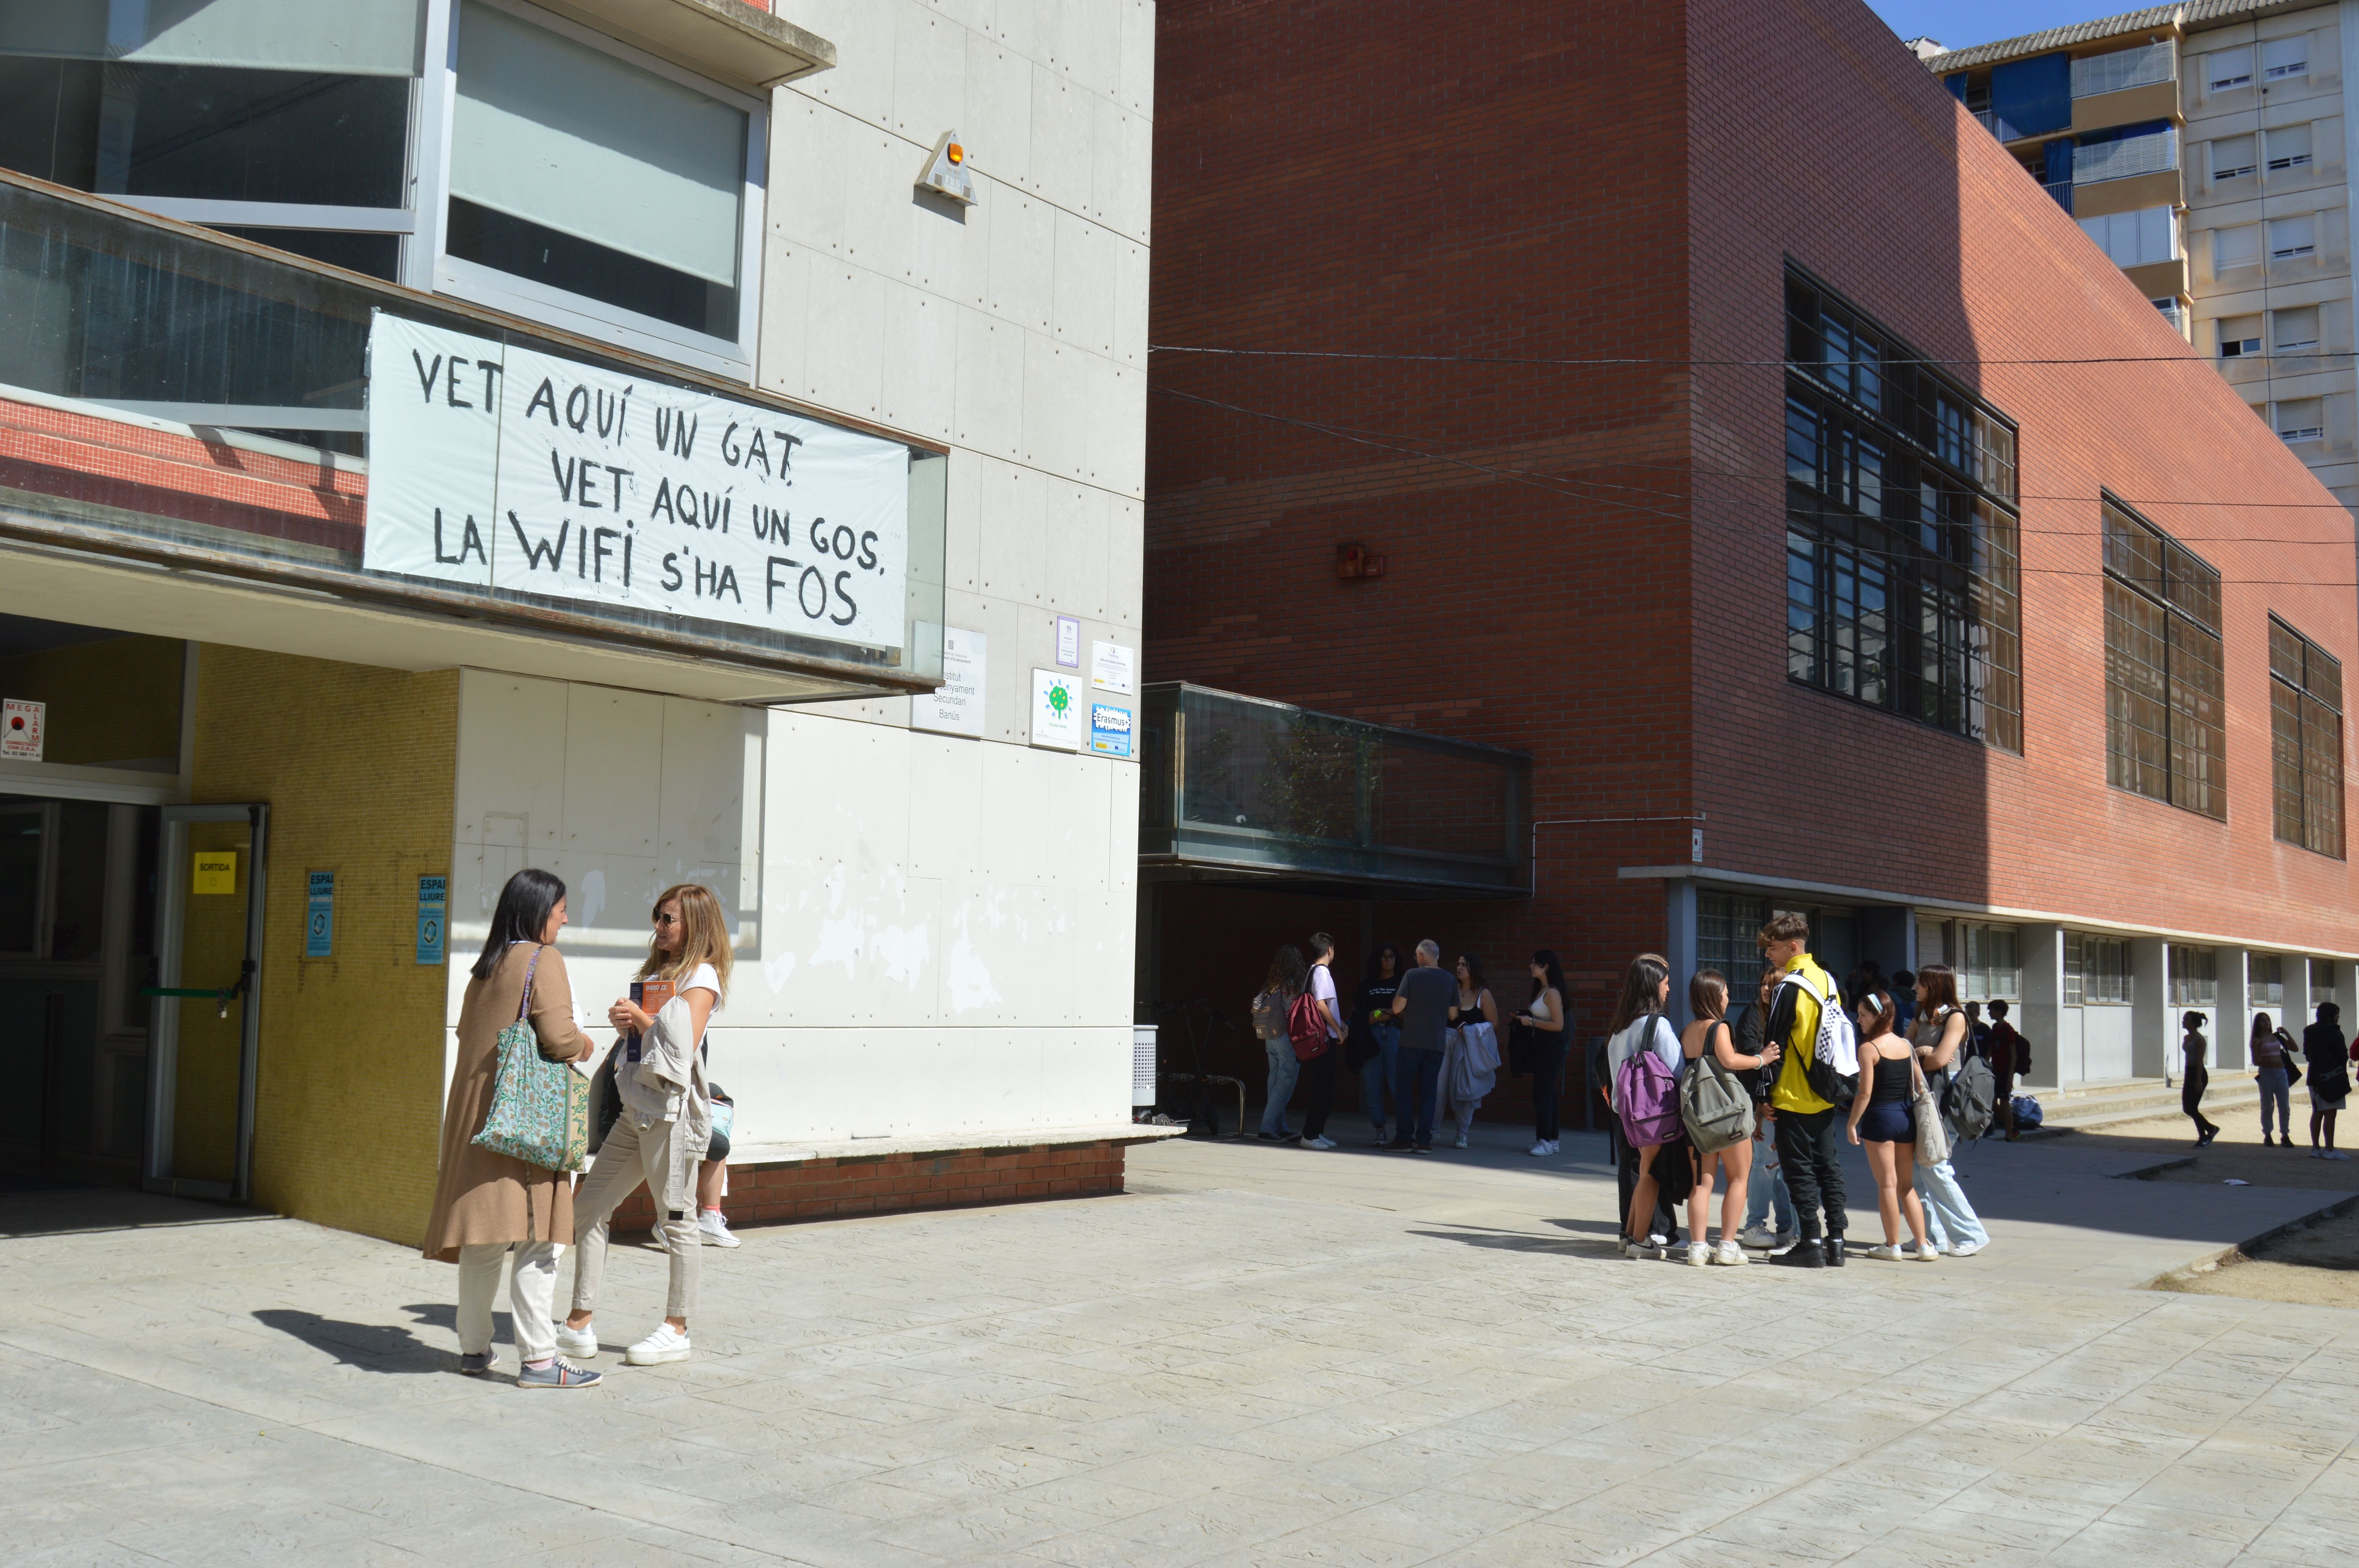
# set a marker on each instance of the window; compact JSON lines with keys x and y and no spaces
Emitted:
{"x":1726,"y":925}
{"x":2237,"y":247}
{"x":2232,"y":157}
{"x":2096,"y":970}
{"x":2140,"y":67}
{"x":282,"y":116}
{"x":2229,"y":68}
{"x":2240,"y":337}
{"x":2165,"y":733}
{"x":1902,"y":585}
{"x":2298,"y":419}
{"x":2291,"y":237}
{"x":1986,"y":958}
{"x":2264,"y":980}
{"x":2306,"y":739}
{"x":2137,"y":238}
{"x":2289,"y":149}
{"x":2322,"y":973}
{"x":2297,"y":328}
{"x":2281,"y":58}
{"x":2194,"y":976}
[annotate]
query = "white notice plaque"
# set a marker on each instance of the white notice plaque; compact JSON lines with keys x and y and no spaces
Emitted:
{"x":497,"y":467}
{"x":1114,"y":667}
{"x":957,"y":709}
{"x":1058,"y":719}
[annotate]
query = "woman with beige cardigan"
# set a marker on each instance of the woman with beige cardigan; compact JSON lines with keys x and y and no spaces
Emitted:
{"x":487,"y":1205}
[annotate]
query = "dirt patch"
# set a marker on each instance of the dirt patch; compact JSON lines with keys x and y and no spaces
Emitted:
{"x":2317,"y":1265}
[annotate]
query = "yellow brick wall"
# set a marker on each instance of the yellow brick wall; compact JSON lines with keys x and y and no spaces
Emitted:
{"x":109,"y":702}
{"x":358,"y":766}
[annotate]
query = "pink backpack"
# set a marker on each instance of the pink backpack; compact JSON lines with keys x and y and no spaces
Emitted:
{"x":1648,"y":1096}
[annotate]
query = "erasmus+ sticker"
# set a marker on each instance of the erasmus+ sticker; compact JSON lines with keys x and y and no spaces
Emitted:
{"x":500,"y":467}
{"x":1109,"y":729}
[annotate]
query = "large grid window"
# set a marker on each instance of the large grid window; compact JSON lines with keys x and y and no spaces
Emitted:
{"x":1725,"y":926}
{"x":2194,"y":976}
{"x":1902,"y":576}
{"x":2096,"y":970}
{"x":2166,"y":715}
{"x":2306,"y":729}
{"x":2264,"y":979}
{"x":1987,"y":960}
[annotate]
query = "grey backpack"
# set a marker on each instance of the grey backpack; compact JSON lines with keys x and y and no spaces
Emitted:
{"x":1714,"y":1103}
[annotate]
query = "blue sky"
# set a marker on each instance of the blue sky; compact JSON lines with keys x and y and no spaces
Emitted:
{"x":1959,"y":23}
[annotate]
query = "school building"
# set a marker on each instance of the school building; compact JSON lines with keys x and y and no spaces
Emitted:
{"x":656,"y":440}
{"x":1688,"y":425}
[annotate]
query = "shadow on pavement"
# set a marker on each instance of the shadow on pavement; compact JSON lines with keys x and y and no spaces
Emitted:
{"x":378,"y":1347}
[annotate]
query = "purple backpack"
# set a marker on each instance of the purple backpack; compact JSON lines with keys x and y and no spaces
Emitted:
{"x":1648,"y":1096}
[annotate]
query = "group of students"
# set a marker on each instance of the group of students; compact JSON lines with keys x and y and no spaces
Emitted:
{"x":492,"y":1210}
{"x":1427,"y":1036}
{"x":1798,"y":1068}
{"x":2278,"y":1061}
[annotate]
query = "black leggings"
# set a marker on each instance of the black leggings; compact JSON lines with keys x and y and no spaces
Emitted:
{"x":1547,"y":1084}
{"x":2191,"y":1101}
{"x":1806,"y":1154}
{"x":1318,"y":1082}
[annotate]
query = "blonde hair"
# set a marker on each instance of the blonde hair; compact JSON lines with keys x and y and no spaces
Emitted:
{"x":703,"y":935}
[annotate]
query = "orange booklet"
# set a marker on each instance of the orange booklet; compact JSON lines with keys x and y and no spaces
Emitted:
{"x":650,"y":996}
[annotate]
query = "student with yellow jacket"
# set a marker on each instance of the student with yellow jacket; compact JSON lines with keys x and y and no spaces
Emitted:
{"x":1809,"y":1125}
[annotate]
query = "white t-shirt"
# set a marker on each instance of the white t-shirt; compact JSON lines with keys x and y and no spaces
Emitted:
{"x":1322,"y":986}
{"x":652,"y":1098}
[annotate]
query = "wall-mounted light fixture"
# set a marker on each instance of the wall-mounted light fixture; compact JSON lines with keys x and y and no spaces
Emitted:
{"x":946,"y":173}
{"x":1356,"y":562}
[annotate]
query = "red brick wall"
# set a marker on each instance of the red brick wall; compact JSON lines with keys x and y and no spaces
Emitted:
{"x":1818,"y":136}
{"x":1587,"y":563}
{"x":1489,"y":178}
{"x":898,"y":1184}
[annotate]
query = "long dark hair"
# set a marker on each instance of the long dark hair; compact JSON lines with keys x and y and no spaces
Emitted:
{"x":1546,"y":959}
{"x":1640,"y":984}
{"x":1377,"y":962}
{"x":1940,"y":983}
{"x":1474,"y":971}
{"x":1288,"y":972}
{"x":2262,"y":1029}
{"x":522,"y":915}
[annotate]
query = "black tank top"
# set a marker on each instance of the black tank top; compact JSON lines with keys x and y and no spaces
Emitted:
{"x":1893,"y":1082}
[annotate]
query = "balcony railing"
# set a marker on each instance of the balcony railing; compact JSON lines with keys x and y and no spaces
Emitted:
{"x":170,"y":396}
{"x":2061,"y":190}
{"x":2141,"y":66}
{"x":1237,"y":787}
{"x":2150,"y":154}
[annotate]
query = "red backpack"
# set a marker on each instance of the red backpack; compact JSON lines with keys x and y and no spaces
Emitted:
{"x":1305,"y":1026}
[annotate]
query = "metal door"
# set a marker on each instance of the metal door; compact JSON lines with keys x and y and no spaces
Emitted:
{"x":205,"y":1030}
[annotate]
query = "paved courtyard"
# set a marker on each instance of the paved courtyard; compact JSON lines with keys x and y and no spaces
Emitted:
{"x":1259,"y":1355}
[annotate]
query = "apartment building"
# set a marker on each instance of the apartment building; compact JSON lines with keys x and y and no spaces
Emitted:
{"x":656,"y":440}
{"x":1600,"y":566}
{"x":2205,"y":147}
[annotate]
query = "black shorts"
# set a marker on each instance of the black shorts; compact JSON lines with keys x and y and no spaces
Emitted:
{"x":1888,"y":1122}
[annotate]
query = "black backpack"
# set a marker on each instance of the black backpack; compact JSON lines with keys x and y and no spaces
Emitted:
{"x":1968,"y":1101}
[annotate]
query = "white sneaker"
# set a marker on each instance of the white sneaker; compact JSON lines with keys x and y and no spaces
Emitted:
{"x":1730,"y":1255}
{"x":1321,"y":1142}
{"x":1890,"y":1252}
{"x":1784,"y":1242}
{"x":1555,"y":1146}
{"x":713,"y":1226}
{"x":666,"y":1344}
{"x":1541,"y":1149}
{"x":1757,"y":1238}
{"x":1967,"y":1248}
{"x":1927,"y":1254}
{"x":1699,"y":1254}
{"x":582,"y":1342}
{"x":1461,"y":1141}
{"x":1637,"y":1251}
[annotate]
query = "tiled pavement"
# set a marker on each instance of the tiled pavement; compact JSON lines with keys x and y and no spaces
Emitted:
{"x":1260,"y":1356}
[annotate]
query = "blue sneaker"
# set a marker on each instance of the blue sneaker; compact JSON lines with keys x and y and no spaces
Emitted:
{"x":475,"y":1364}
{"x":559,"y":1373}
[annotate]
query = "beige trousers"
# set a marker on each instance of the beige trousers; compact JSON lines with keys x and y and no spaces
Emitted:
{"x":530,"y":1292}
{"x":632,"y":1154}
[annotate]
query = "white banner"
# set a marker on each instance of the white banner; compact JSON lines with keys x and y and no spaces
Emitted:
{"x":495,"y":466}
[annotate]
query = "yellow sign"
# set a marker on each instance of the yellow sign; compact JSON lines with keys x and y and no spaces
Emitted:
{"x":216,"y":872}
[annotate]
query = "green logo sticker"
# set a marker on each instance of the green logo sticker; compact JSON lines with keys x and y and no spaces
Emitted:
{"x":1060,"y":700}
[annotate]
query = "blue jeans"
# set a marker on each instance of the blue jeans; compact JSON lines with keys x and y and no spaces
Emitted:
{"x":1377,"y":1071}
{"x":1950,"y":1219}
{"x":1767,"y":1188}
{"x":1284,"y":1068}
{"x":2275,"y":1090}
{"x":1417,"y":1083}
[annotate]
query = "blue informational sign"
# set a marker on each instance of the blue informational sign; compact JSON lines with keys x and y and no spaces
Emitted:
{"x":433,"y":906}
{"x":319,"y":926}
{"x":1109,"y":729}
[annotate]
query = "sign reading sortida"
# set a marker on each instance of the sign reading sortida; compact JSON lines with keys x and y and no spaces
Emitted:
{"x":495,"y":466}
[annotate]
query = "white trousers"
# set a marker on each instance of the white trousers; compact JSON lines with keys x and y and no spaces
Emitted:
{"x":531,"y":1294}
{"x":632,"y":1154}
